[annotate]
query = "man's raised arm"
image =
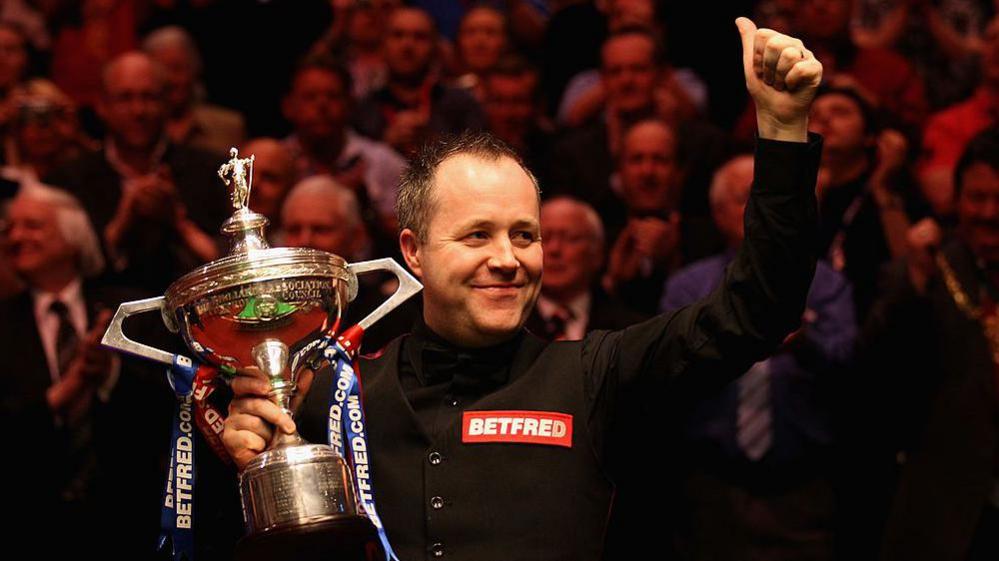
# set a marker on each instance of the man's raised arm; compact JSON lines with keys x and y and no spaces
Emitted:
{"x":763,"y":293}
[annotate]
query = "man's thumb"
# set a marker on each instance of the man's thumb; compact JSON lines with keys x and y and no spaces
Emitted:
{"x":747,"y":30}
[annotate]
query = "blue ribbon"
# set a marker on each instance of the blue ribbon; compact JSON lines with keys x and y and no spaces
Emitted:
{"x":346,"y":420}
{"x":177,"y":517}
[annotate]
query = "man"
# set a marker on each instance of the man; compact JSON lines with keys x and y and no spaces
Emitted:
{"x":469,"y":214}
{"x":866,"y":202}
{"x":190,"y":120}
{"x":757,"y":457}
{"x":324,"y":215}
{"x":571,"y":303}
{"x":631,"y":67}
{"x":317,"y":106}
{"x":155,"y":204}
{"x":414,"y":106}
{"x":932,"y":350}
{"x":273,"y":176}
{"x":513,"y":113}
{"x":651,"y":236}
{"x":79,"y":467}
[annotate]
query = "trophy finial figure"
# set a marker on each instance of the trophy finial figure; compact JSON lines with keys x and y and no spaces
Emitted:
{"x":241,"y":172}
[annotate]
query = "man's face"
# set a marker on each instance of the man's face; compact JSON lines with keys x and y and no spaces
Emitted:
{"x":33,"y":242}
{"x":840,"y":121}
{"x":132,"y":106}
{"x":319,"y":223}
{"x":572,"y":249}
{"x":178,"y":78}
{"x":978,"y":211}
{"x":509,"y":105}
{"x":42,"y":129}
{"x":629,"y":72}
{"x":481,"y":39}
{"x":13,"y":58}
{"x":409,"y":43}
{"x":481,"y":262}
{"x":273,"y":175}
{"x":650,"y":174}
{"x":317,"y":105}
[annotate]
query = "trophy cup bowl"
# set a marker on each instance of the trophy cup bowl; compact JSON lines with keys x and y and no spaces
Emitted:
{"x":260,"y":311}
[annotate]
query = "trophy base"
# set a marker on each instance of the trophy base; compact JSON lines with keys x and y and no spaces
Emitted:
{"x":346,"y":538}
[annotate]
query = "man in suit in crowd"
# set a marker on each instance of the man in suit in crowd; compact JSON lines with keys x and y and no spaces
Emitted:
{"x":155,"y":204}
{"x":70,"y":405}
{"x":757,"y":481}
{"x":571,"y":302}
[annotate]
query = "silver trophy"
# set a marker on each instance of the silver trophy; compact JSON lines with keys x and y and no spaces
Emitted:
{"x":261,"y":311}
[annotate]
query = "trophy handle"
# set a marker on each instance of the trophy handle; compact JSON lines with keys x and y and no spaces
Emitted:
{"x":408,"y":286}
{"x":116,"y":339}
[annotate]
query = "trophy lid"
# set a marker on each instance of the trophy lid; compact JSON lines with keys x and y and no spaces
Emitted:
{"x":250,"y":258}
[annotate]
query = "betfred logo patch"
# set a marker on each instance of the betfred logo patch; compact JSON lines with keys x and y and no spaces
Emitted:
{"x":518,"y":427}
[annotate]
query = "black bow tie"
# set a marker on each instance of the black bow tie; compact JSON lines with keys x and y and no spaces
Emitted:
{"x":471,"y":370}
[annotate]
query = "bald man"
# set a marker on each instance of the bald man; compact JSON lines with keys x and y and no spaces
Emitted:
{"x":156,"y":205}
{"x":571,"y":302}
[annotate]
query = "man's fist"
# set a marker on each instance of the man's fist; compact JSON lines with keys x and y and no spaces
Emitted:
{"x":782,"y":76}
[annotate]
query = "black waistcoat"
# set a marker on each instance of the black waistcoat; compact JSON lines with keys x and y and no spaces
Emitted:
{"x":487,"y":501}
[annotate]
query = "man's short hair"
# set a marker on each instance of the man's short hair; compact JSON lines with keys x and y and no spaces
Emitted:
{"x":721,"y":181}
{"x":324,"y":63}
{"x":174,"y":36}
{"x":594,"y":225}
{"x":982,"y":149}
{"x":73,"y":224}
{"x":644,"y":32}
{"x":325,"y":187}
{"x":159,"y":73}
{"x":415,"y":204}
{"x":872,"y":119}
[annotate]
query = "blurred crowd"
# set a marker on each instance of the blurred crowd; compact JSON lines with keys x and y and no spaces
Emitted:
{"x":873,"y":432}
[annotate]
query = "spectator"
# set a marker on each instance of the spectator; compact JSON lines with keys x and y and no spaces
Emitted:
{"x":414,"y":105}
{"x":652,"y":239}
{"x":356,"y":37}
{"x":190,"y":120}
{"x":153,"y":201}
{"x":866,"y":200}
{"x":932,"y":345}
{"x":44,"y":132}
{"x":324,"y":215}
{"x":758,"y":480}
{"x":948,"y":131}
{"x":73,"y":402}
{"x":318,"y":106}
{"x":514,"y":114}
{"x":483,"y":38}
{"x":273,"y":176}
{"x":630,"y":72}
{"x":571,"y":303}
{"x":585,"y":96}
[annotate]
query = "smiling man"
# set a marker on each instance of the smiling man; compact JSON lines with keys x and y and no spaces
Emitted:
{"x":458,"y":466}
